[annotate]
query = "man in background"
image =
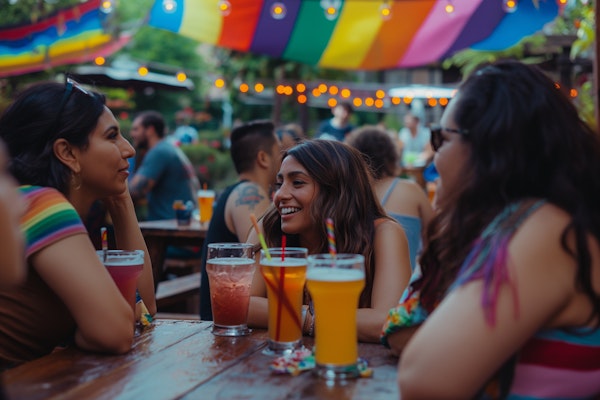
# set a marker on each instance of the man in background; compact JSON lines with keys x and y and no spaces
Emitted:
{"x":414,"y":140}
{"x":165,"y":173}
{"x":339,"y":126}
{"x":256,"y":154}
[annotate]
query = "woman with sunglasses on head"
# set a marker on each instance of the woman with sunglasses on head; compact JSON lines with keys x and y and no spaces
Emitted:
{"x":321,"y":179}
{"x":67,"y":152}
{"x":515,"y":248}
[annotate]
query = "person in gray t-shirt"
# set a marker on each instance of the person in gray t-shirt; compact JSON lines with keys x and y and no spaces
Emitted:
{"x":165,"y":174}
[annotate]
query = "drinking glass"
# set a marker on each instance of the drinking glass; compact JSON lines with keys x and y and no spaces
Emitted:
{"x":124,"y":266}
{"x":230,"y":268}
{"x":284,"y":274}
{"x":335,"y":284}
{"x":206,"y":198}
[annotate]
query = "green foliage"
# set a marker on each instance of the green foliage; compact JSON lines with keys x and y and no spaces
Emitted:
{"x":468,"y":60}
{"x":212,"y":164}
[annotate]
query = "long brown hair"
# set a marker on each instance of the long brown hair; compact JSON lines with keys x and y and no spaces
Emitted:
{"x":345,"y":195}
{"x":527,"y":142}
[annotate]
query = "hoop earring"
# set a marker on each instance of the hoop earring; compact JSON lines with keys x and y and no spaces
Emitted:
{"x":75,"y":181}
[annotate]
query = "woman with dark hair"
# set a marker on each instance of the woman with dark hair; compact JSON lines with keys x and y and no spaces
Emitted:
{"x":67,"y":152}
{"x":322,"y":179}
{"x":513,"y":257}
{"x":402,"y":199}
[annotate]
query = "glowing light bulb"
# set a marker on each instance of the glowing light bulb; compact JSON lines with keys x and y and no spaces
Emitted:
{"x":509,"y":6}
{"x":143,"y":71}
{"x":224,"y":7}
{"x":385,"y":10}
{"x":278,"y":10}
{"x":169,"y":6}
{"x":219,"y":82}
{"x":331,"y":8}
{"x":106,"y":6}
{"x":449,"y":8}
{"x":99,"y":60}
{"x":181,"y":76}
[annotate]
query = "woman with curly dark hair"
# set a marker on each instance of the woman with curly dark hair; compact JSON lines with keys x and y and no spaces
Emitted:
{"x":320,"y":179}
{"x":402,"y":199}
{"x":511,"y":272}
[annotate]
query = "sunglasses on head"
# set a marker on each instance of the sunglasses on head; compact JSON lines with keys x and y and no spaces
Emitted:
{"x":437,"y":139}
{"x":69,"y":85}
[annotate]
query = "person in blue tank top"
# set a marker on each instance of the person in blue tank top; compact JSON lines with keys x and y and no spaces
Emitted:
{"x":256,"y":154}
{"x":511,"y":269}
{"x":402,"y":199}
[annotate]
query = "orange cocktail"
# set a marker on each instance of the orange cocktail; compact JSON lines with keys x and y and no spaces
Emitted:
{"x":284,"y":277}
{"x":335,"y":285}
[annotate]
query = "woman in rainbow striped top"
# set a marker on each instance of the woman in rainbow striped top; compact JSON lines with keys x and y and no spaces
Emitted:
{"x":67,"y":152}
{"x":511,"y":270}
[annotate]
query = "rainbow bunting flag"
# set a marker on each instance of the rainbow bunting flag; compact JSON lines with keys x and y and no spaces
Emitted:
{"x":72,"y":35}
{"x":355,"y":34}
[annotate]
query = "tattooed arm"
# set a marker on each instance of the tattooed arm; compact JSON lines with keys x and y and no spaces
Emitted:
{"x":140,"y":186}
{"x":247,"y":198}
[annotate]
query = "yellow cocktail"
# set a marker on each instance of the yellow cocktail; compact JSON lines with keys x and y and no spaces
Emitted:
{"x":335,"y":286}
{"x":285,"y":289}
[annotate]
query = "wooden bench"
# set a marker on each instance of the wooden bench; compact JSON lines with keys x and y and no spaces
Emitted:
{"x":184,"y":289}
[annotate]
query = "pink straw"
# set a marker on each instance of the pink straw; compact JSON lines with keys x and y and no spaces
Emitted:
{"x":331,"y":237}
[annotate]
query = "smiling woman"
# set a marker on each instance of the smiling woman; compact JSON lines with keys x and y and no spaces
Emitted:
{"x":322,"y":179}
{"x":68,"y":157}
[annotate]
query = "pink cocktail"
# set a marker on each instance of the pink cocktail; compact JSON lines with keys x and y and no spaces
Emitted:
{"x":230,"y":268}
{"x":124,"y":266}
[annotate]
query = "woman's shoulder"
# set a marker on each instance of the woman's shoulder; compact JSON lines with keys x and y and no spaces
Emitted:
{"x":387,"y":225}
{"x":42,"y":196}
{"x":407,"y":197}
{"x":538,"y":240}
{"x":544,"y":218}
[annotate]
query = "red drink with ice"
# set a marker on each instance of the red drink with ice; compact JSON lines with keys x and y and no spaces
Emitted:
{"x":124,"y":266}
{"x":230,"y":281}
{"x":230,"y":268}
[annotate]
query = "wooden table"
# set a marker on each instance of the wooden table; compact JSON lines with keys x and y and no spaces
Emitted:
{"x":159,"y":234}
{"x":176,"y":359}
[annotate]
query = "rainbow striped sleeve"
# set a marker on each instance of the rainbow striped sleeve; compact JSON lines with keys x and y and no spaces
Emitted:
{"x":49,"y":218}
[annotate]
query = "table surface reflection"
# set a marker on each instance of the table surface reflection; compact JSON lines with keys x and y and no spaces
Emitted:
{"x":176,"y":359}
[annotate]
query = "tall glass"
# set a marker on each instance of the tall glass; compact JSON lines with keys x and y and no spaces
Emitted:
{"x":230,"y":268}
{"x":335,"y":284}
{"x":206,"y":198}
{"x":124,"y":266}
{"x":284,"y":274}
